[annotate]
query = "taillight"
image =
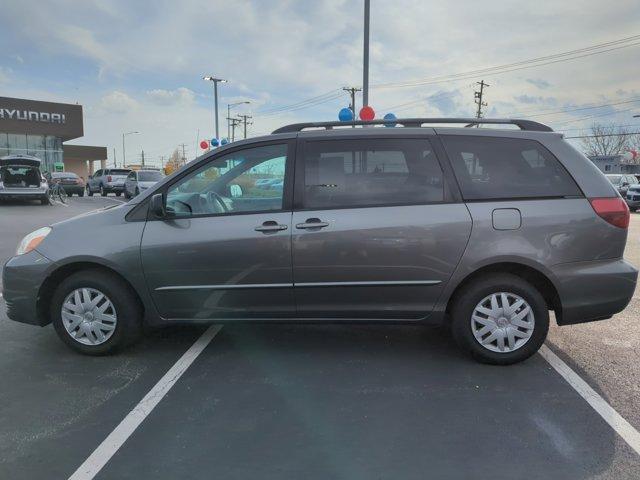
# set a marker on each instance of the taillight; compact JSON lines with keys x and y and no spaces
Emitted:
{"x":614,"y":210}
{"x":109,"y":178}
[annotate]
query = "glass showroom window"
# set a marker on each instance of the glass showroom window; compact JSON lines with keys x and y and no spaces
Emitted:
{"x":17,"y":143}
{"x":4,"y":145}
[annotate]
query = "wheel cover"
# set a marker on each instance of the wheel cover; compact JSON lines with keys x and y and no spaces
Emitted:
{"x":89,"y":316}
{"x":502,"y":322}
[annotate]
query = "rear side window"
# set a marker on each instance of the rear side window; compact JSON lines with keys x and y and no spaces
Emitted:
{"x":497,"y":168}
{"x":358,"y":173}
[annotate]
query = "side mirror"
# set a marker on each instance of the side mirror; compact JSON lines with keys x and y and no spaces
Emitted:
{"x":625,"y":184}
{"x":90,"y":177}
{"x":235,"y":190}
{"x":157,"y":207}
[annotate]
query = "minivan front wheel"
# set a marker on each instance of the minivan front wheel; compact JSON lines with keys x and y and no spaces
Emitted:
{"x":500,"y":319}
{"x":95,"y":312}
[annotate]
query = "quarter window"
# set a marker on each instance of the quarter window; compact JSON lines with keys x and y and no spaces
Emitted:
{"x":358,"y":173}
{"x":249,"y":180}
{"x":496,"y":168}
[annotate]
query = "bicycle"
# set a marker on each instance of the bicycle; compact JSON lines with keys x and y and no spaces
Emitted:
{"x":56,"y":192}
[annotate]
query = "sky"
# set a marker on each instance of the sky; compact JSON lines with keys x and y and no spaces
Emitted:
{"x":138,"y":65}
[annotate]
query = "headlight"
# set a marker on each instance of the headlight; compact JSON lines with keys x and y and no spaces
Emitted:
{"x":32,"y":240}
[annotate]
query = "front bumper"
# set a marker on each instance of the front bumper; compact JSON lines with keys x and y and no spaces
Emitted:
{"x":633,"y":203}
{"x":22,"y":278}
{"x":593,"y":290}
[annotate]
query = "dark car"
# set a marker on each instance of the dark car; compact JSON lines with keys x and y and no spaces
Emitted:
{"x":21,"y":179}
{"x":69,"y":181}
{"x":481,"y":230}
{"x":107,"y":180}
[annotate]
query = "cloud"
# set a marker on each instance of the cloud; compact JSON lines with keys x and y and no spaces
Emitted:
{"x":18,"y":58}
{"x":530,"y":99}
{"x":538,"y":82}
{"x":117,"y":102}
{"x":180,"y":96}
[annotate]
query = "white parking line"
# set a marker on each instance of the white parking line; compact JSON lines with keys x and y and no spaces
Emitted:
{"x":599,"y":404}
{"x":128,"y":425}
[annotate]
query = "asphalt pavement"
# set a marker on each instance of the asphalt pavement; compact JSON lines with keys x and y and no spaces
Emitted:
{"x":287,"y":401}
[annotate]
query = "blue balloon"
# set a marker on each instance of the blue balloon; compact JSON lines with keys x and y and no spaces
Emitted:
{"x":390,"y":117}
{"x":345,"y":115}
{"x":224,"y":141}
{"x":214,"y":142}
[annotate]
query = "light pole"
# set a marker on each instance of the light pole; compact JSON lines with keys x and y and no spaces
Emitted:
{"x":215,"y":97}
{"x":365,"y":69}
{"x":229,"y":105}
{"x":124,"y":155}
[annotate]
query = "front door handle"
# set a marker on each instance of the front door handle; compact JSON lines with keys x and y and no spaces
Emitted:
{"x":270,"y":226}
{"x":312,"y":223}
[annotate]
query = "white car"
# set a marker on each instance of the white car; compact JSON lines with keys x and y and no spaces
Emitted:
{"x":20,"y":178}
{"x":139,"y":180}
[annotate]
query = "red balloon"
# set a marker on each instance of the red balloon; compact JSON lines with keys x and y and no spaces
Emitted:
{"x":367,"y":113}
{"x":204,"y":144}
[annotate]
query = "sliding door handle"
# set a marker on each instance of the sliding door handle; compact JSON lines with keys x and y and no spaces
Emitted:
{"x":312,"y":223}
{"x":270,"y":226}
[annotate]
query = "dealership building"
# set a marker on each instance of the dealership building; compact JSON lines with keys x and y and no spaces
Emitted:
{"x":30,"y":127}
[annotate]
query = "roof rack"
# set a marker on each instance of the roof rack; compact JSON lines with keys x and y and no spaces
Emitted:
{"x":528,"y":125}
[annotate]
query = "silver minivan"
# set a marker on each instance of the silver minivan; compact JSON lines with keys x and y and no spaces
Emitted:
{"x":485,"y":230}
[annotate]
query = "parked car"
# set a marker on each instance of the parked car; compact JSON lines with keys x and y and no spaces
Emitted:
{"x":20,"y":178}
{"x":108,"y":180}
{"x":482,"y":230}
{"x":70,"y":181}
{"x":633,"y":197}
{"x":138,"y":181}
{"x":622,"y":182}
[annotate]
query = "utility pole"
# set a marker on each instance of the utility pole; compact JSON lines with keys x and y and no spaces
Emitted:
{"x":352,"y":93}
{"x":244,"y":119}
{"x":215,"y":98}
{"x":184,"y":155}
{"x":114,"y":157}
{"x":365,"y":69}
{"x":234,"y":122}
{"x":142,"y":155}
{"x":478,"y":98}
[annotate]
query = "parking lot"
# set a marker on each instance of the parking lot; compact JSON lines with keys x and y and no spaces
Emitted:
{"x":286,"y":401}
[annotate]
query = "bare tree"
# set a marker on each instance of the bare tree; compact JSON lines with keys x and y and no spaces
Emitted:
{"x":607,"y":139}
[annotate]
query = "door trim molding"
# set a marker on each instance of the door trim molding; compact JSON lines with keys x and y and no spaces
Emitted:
{"x":302,"y":284}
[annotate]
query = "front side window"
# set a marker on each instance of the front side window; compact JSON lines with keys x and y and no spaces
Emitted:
{"x":498,"y":168}
{"x":249,"y":180}
{"x":358,"y":173}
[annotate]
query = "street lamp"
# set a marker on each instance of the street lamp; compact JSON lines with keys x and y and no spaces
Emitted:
{"x":124,"y":155}
{"x":215,"y":96}
{"x":636,"y":116}
{"x":229,"y":105}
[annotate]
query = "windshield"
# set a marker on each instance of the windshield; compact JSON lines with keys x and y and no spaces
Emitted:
{"x":149,"y":176}
{"x":615,"y":179}
{"x":64,"y":175}
{"x":119,"y":172}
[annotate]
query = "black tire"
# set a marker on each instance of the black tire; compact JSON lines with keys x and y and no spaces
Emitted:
{"x":81,"y":193}
{"x":118,"y":194}
{"x":129,"y":313}
{"x":633,"y":209}
{"x":45,"y":200}
{"x":137,"y":191}
{"x":89,"y":191}
{"x":126,"y":194}
{"x":103,"y":192}
{"x":69,"y":194}
{"x":468,"y":298}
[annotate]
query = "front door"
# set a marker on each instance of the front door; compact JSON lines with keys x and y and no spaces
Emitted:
{"x":224,"y":250}
{"x":377,"y":233}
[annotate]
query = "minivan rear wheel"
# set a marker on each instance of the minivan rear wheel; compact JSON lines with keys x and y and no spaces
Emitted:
{"x":95,"y":313}
{"x":500,"y":319}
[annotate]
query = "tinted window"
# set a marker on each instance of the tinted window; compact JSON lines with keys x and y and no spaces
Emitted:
{"x":64,"y":175}
{"x":98,"y":173}
{"x":233,"y":183}
{"x":149,"y":176}
{"x":116,"y":171}
{"x":353,"y":173}
{"x":488,"y":168}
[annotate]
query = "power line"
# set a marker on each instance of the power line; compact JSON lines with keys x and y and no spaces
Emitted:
{"x":319,"y":98}
{"x":243,"y":119}
{"x":606,"y":135}
{"x":352,"y":93}
{"x":520,"y":65}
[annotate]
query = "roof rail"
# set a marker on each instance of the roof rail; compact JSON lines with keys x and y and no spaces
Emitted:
{"x":528,"y":125}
